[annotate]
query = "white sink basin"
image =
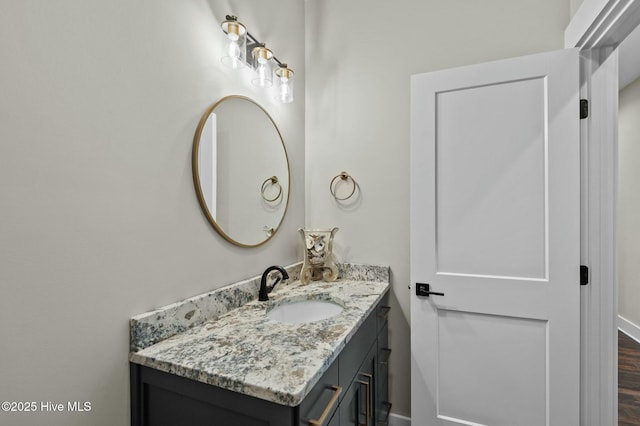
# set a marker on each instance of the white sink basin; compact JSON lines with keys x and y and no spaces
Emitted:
{"x":301,"y":311}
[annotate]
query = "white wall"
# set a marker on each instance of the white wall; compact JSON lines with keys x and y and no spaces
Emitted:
{"x":360,"y":55}
{"x":629,"y":203}
{"x":575,"y":5}
{"x":99,"y":219}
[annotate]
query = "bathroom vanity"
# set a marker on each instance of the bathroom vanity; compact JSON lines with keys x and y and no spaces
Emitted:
{"x":240,"y":367}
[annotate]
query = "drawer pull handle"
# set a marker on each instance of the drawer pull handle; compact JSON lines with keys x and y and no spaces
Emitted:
{"x":384,"y":356}
{"x":387,"y":410}
{"x":369,"y":378}
{"x":383,"y":311}
{"x":337,"y":391}
{"x":368,"y":406}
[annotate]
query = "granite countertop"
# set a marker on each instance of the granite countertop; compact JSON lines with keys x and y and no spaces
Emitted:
{"x":244,"y":351}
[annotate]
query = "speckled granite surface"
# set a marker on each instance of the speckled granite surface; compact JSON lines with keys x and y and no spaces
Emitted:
{"x":157,"y":325}
{"x":244,"y":351}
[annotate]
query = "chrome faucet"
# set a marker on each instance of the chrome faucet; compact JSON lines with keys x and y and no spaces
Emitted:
{"x":264,"y":291}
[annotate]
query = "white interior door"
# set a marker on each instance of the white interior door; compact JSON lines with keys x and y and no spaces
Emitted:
{"x":495,"y":198}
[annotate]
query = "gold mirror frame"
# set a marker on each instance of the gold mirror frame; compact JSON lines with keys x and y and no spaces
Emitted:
{"x":196,"y":173}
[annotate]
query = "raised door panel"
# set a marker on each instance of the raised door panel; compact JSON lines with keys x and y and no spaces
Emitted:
{"x":501,"y":183}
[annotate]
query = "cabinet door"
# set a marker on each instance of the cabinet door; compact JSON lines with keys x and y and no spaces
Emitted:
{"x":335,"y":421}
{"x":357,"y":407}
{"x":368,"y":382}
{"x":383,"y":406}
{"x":349,"y":409}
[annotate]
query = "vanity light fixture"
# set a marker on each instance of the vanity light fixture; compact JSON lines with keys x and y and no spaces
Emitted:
{"x":236,"y":50}
{"x":244,"y":49}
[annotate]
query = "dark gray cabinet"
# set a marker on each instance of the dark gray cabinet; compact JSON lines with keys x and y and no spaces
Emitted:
{"x":353,"y":391}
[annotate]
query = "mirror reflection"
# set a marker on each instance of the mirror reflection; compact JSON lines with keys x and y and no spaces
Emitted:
{"x":241,"y":171}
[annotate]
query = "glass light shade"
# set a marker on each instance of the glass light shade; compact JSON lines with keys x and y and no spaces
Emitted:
{"x":284,"y":78}
{"x":234,"y":55}
{"x":263,"y":65}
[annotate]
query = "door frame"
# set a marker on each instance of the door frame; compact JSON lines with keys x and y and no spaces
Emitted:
{"x":596,"y":29}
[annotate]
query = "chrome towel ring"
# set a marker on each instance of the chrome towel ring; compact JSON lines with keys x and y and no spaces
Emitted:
{"x":344,"y":177}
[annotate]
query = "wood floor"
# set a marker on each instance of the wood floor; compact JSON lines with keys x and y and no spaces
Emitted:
{"x":628,"y":381}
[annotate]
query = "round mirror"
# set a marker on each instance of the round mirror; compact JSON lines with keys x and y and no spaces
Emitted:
{"x":241,"y":171}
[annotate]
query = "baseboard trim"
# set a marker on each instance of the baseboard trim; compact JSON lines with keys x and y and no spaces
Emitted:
{"x":630,"y":329}
{"x":398,"y":420}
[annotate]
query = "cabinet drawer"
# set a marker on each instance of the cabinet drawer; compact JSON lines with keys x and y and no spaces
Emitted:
{"x":356,"y":350}
{"x":164,"y":399}
{"x":322,"y":401}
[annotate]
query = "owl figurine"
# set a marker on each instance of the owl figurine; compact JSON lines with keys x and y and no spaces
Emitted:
{"x":318,"y":258}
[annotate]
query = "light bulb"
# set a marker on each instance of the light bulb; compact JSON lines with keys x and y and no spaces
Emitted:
{"x":262,"y":74}
{"x":286,"y":95}
{"x":234,"y":49}
{"x":285,"y":82}
{"x":232,"y":58}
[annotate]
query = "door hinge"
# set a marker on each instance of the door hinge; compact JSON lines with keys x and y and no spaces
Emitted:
{"x":584,"y":109}
{"x":584,"y":275}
